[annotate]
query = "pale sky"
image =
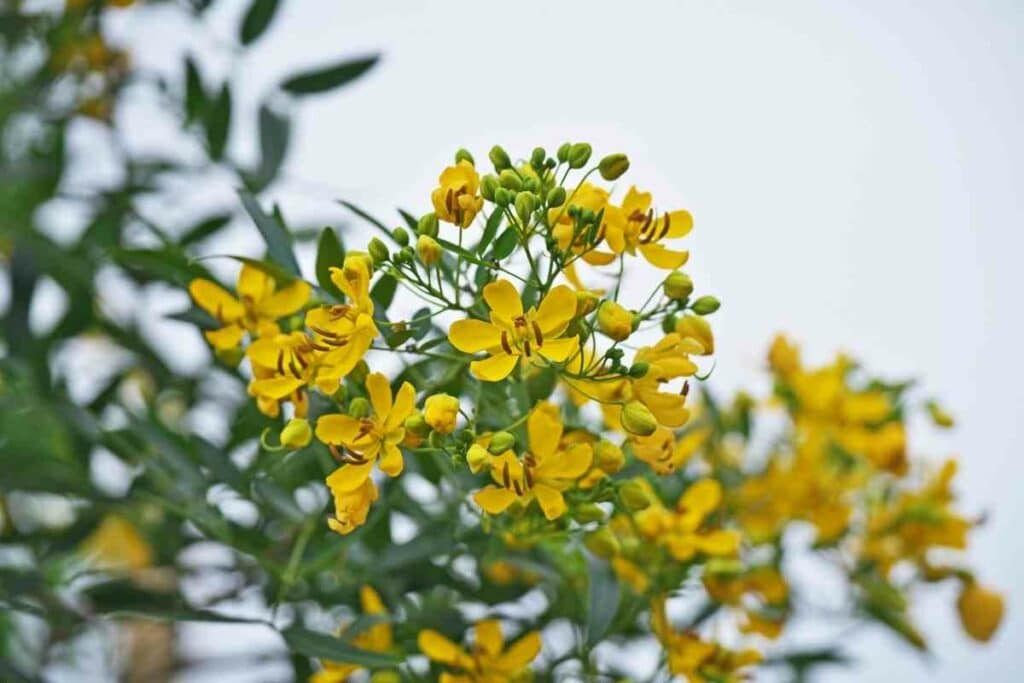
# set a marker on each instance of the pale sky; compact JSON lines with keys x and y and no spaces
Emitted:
{"x":854,"y":170}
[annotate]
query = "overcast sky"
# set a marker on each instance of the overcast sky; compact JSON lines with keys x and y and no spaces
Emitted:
{"x":854,"y":170}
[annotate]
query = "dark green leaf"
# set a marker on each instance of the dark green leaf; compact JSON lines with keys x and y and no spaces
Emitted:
{"x":505,"y":244}
{"x":367,"y":217}
{"x":204,"y":229}
{"x":257,"y":19}
{"x":383,"y":292}
{"x":217,"y":123}
{"x":195,"y":97}
{"x":329,"y":253}
{"x":603,"y":600}
{"x":328,"y":78}
{"x":275,"y":131}
{"x":490,"y":230}
{"x":275,"y":234}
{"x":323,"y":646}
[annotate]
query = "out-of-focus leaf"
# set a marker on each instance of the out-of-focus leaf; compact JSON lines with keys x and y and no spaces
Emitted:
{"x":121,"y":597}
{"x":366,"y":216}
{"x":204,"y":229}
{"x":168,"y":264}
{"x":602,"y":598}
{"x":217,"y":122}
{"x":329,"y":253}
{"x":198,"y":317}
{"x":328,"y":78}
{"x":275,"y":234}
{"x":268,"y":491}
{"x":195,"y":97}
{"x":275,"y":131}
{"x":324,"y":646}
{"x":257,"y":19}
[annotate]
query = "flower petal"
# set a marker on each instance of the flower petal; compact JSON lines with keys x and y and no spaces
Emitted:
{"x":544,"y":428}
{"x":503,"y":299}
{"x":337,"y":429}
{"x":495,"y":368}
{"x":680,"y":223}
{"x":723,"y":542}
{"x":571,"y":463}
{"x":489,"y":638}
{"x":215,"y":300}
{"x":276,"y":388}
{"x":287,"y":301}
{"x":494,"y":500}
{"x":380,"y":394}
{"x":550,"y":500}
{"x":391,"y":462}
{"x":558,"y":350}
{"x":660,"y":257}
{"x":225,"y":338}
{"x":254,"y":284}
{"x":470,"y":336}
{"x":439,"y":648}
{"x":701,"y":498}
{"x":402,"y":408}
{"x":348,"y":478}
{"x":556,"y":310}
{"x":520,"y":653}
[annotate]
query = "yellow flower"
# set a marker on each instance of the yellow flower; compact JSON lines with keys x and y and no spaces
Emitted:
{"x":369,"y":438}
{"x":351,"y":506}
{"x":258,"y":306}
{"x":441,"y":411}
{"x":698,"y":328}
{"x":783,"y":356}
{"x":296,"y":434}
{"x":116,"y":544}
{"x":547,"y":470}
{"x":634,"y":227}
{"x":513,"y":334}
{"x":614,"y":321}
{"x":664,"y":452}
{"x":569,"y":238}
{"x":458,"y":200}
{"x":698,"y":660}
{"x":490,"y":661}
{"x":981,"y":610}
{"x":680,"y":530}
{"x":376,"y":638}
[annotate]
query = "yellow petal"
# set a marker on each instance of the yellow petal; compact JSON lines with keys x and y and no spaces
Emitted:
{"x":391,"y":462}
{"x":558,"y":350}
{"x":337,"y":429}
{"x":660,"y":257}
{"x":215,"y":300}
{"x":636,"y":201}
{"x":721,"y":543}
{"x":405,"y":401}
{"x":680,"y":223}
{"x":470,"y":336}
{"x":225,"y":338}
{"x":600,"y":258}
{"x":276,"y":388}
{"x":701,"y":498}
{"x":380,"y":394}
{"x":520,"y":653}
{"x":488,"y":637}
{"x":370,"y":600}
{"x":348,"y":478}
{"x":550,"y":500}
{"x":544,"y":428}
{"x":495,"y":368}
{"x":571,"y":463}
{"x":503,"y":299}
{"x":287,"y":301}
{"x":556,"y":310}
{"x":439,"y":648}
{"x":254,"y":284}
{"x":494,"y":500}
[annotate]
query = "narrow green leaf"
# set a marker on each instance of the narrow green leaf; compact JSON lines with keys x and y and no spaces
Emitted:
{"x":328,"y":78}
{"x":217,"y":123}
{"x":329,"y":253}
{"x":505,"y":244}
{"x":257,"y":20}
{"x":275,"y":234}
{"x":602,"y":598}
{"x":204,"y":229}
{"x":461,"y":251}
{"x":323,"y":646}
{"x":375,"y":222}
{"x":275,"y":132}
{"x":195,"y":96}
{"x":383,"y":292}
{"x":490,"y":230}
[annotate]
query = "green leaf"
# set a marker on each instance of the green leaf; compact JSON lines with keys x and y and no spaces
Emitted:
{"x":195,"y":96}
{"x":329,"y":253}
{"x":280,"y":275}
{"x":603,"y":594}
{"x":217,"y":123}
{"x":383,"y":292}
{"x":275,"y":234}
{"x":257,"y":20}
{"x":464,"y":253}
{"x":328,"y":78}
{"x":490,"y":230}
{"x":204,"y":229}
{"x":505,"y":244}
{"x":275,"y":132}
{"x":168,"y":264}
{"x":270,"y":492}
{"x":323,"y":646}
{"x":367,"y":217}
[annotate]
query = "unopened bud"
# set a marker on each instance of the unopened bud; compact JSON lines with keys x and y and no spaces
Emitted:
{"x":588,"y":512}
{"x":613,"y":166}
{"x":360,"y":372}
{"x":503,"y":197}
{"x":586,"y":302}
{"x":428,"y":250}
{"x":525,"y":204}
{"x":579,"y":155}
{"x":441,"y":412}
{"x":538,"y":157}
{"x":614,"y":321}
{"x":378,"y":251}
{"x":401,"y":236}
{"x":563,"y":152}
{"x":428,"y":225}
{"x":639,"y":369}
{"x":678,"y":285}
{"x":706,"y":305}
{"x":634,"y":495}
{"x":602,"y":542}
{"x":501,"y":442}
{"x":359,"y":407}
{"x":981,"y":610}
{"x":499,"y":157}
{"x":477,"y":458}
{"x":510,"y":180}
{"x":489,"y":186}
{"x":462,"y":154}
{"x":608,"y":457}
{"x":296,"y":434}
{"x":416,"y":424}
{"x":556,"y":197}
{"x":638,"y":419}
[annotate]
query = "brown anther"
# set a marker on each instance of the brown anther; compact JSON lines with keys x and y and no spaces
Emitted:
{"x":325,"y":333}
{"x":505,"y":343}
{"x":537,"y":334}
{"x":280,"y":362}
{"x":686,"y":388}
{"x":335,"y":453}
{"x":339,"y":311}
{"x":526,"y":347}
{"x":506,"y":478}
{"x":296,"y":372}
{"x":302,"y":361}
{"x":664,"y":228}
{"x":528,"y":477}
{"x":449,"y":201}
{"x":517,"y":487}
{"x":319,"y":347}
{"x":519,"y":321}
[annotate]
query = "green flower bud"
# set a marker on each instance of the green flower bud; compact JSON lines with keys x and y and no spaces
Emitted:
{"x":579,"y":155}
{"x":668,"y":323}
{"x":499,"y":157}
{"x":556,"y":196}
{"x":462,"y":154}
{"x":501,"y":442}
{"x":602,"y":543}
{"x":378,"y":251}
{"x":401,"y":236}
{"x":296,"y":434}
{"x":563,"y":152}
{"x":531,"y":184}
{"x":405,"y":255}
{"x":706,"y":305}
{"x":435,"y":439}
{"x":503,"y":197}
{"x":428,"y":225}
{"x":417,"y":424}
{"x":588,"y":512}
{"x":638,"y":419}
{"x":639,"y":369}
{"x":538,"y":158}
{"x":510,"y":180}
{"x":613,"y":166}
{"x":678,"y":286}
{"x":359,"y":407}
{"x":634,"y":495}
{"x":489,"y":186}
{"x":477,"y":458}
{"x":428,"y":250}
{"x":526,"y":202}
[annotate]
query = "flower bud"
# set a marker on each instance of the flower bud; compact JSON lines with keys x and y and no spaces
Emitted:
{"x":579,"y":155}
{"x":639,"y":369}
{"x":462,"y":154}
{"x":556,"y":197}
{"x":404,"y":255}
{"x":608,"y":457}
{"x":586,"y":302}
{"x":634,"y":495}
{"x":602,"y":543}
{"x":359,"y":407}
{"x":436,"y":439}
{"x":588,"y":512}
{"x":678,"y":285}
{"x":503,"y":197}
{"x":441,"y":412}
{"x":416,"y":424}
{"x":378,"y":251}
{"x":489,"y":186}
{"x":706,"y":305}
{"x":510,"y":180}
{"x":389,"y":676}
{"x":526,"y":202}
{"x":532,"y":184}
{"x":613,"y":166}
{"x":699,"y":329}
{"x":538,"y":158}
{"x":563,"y":152}
{"x":638,"y":419}
{"x":614,"y":321}
{"x":981,"y":610}
{"x":501,"y":442}
{"x":296,"y":434}
{"x":428,"y":250}
{"x":477,"y":458}
{"x":499,"y":157}
{"x":939,"y":416}
{"x":401,"y":236}
{"x":428,"y":225}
